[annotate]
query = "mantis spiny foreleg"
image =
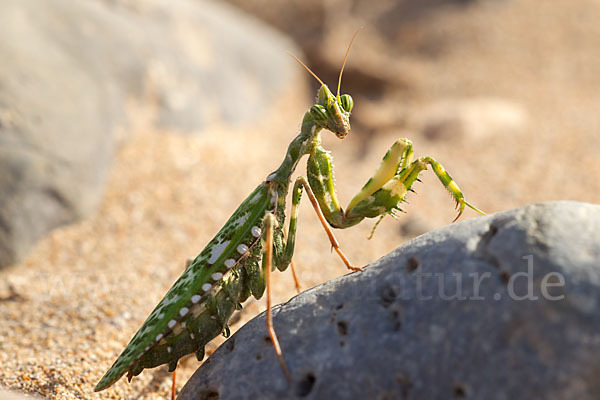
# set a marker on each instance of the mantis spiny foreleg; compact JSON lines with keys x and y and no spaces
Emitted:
{"x":299,"y":185}
{"x":397,"y":158}
{"x":386,"y":199}
{"x":383,"y":192}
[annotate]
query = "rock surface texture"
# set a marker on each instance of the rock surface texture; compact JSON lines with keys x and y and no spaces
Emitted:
{"x":499,"y":307}
{"x":68,"y":70}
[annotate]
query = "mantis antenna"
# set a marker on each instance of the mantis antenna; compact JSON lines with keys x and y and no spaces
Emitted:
{"x":346,"y":58}
{"x":305,"y":67}
{"x":343,"y":65}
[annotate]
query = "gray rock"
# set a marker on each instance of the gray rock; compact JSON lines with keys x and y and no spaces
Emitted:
{"x":56,"y":121}
{"x":201,"y":61}
{"x":416,"y":324}
{"x":67,"y":70}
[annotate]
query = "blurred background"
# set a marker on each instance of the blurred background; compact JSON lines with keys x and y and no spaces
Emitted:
{"x":130,"y":130}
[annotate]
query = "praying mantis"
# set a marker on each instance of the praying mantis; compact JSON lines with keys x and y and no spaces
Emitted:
{"x":239,"y":260}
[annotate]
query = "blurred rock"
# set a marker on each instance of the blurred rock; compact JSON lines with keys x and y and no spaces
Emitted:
{"x":472,"y":119}
{"x":68,"y":69}
{"x":204,"y":62}
{"x":505,"y":306}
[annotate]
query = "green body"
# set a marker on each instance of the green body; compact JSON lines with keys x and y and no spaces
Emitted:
{"x":196,"y":309}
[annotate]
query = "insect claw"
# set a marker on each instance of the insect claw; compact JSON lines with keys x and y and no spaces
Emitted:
{"x":356,"y":269}
{"x":461,"y":209}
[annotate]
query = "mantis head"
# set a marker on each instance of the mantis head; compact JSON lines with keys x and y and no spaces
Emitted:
{"x":332,"y":112}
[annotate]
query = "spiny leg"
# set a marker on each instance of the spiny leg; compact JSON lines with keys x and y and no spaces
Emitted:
{"x":321,"y":180}
{"x":397,"y":158}
{"x":382,"y":193}
{"x":270,"y":222}
{"x":386,"y":199}
{"x":451,"y":186}
{"x":300,"y":184}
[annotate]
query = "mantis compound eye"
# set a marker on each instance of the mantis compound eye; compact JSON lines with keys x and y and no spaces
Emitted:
{"x":347,"y":102}
{"x":319,"y":113}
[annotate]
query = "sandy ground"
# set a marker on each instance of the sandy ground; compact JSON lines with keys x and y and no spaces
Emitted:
{"x":73,"y":305}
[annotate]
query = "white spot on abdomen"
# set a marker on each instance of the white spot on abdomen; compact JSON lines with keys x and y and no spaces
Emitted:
{"x":241,"y":220}
{"x":242,"y":248}
{"x":256,"y":196}
{"x":217,"y":251}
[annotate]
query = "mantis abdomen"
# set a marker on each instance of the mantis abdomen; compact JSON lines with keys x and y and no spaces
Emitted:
{"x":196,"y":309}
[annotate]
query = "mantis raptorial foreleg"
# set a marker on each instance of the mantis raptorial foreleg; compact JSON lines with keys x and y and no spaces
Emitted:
{"x":383,"y":192}
{"x":299,"y":185}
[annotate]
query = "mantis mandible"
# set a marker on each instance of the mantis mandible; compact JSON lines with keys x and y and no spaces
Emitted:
{"x":198,"y":306}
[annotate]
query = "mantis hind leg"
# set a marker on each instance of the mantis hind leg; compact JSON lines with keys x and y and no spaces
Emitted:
{"x":270,"y":222}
